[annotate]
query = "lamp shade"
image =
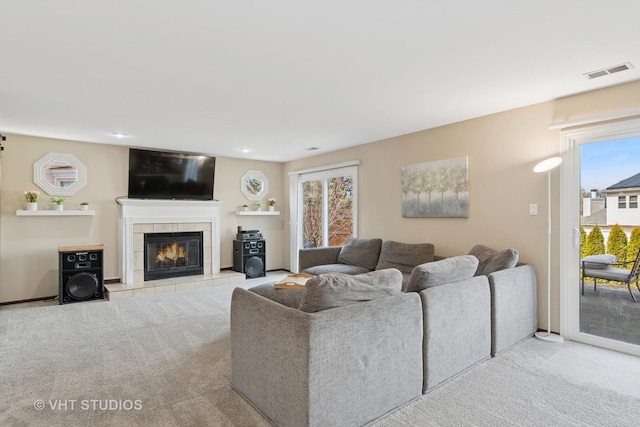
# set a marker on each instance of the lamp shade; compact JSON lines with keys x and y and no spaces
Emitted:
{"x":548,"y":164}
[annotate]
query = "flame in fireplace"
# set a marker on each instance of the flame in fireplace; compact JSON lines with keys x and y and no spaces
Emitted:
{"x":171,"y":252}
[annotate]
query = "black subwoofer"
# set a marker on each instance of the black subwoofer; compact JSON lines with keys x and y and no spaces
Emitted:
{"x":81,"y":276}
{"x":249,"y":257}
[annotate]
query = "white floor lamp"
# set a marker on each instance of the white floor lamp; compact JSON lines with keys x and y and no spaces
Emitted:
{"x":546,"y":166}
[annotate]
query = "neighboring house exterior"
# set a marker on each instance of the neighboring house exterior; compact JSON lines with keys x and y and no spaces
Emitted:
{"x":620,"y":207}
{"x":622,"y":202}
{"x":592,"y":205}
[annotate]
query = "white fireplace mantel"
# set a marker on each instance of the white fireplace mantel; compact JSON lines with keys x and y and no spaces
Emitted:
{"x":147,"y":211}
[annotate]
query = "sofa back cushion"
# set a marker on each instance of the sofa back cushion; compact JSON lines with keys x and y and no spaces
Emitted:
{"x":441,"y":272}
{"x":361,"y":252}
{"x":336,"y":289}
{"x":492,"y":260}
{"x":404,"y":256}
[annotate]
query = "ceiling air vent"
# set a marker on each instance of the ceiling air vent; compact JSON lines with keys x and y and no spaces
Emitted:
{"x":610,"y":70}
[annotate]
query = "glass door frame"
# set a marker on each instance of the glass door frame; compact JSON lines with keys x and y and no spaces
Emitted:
{"x":296,"y":178}
{"x":571,"y":139}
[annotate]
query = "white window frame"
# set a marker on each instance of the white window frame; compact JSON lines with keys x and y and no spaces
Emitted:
{"x":296,"y":178}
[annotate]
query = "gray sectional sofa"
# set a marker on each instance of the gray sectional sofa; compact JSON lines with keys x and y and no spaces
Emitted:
{"x":350,"y":348}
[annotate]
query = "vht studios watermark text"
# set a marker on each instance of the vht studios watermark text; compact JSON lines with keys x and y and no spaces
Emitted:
{"x":89,"y":405}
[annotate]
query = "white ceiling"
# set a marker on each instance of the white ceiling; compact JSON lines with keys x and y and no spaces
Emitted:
{"x":280,"y":76}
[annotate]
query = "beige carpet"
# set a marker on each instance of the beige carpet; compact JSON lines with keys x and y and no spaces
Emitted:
{"x":164,"y":361}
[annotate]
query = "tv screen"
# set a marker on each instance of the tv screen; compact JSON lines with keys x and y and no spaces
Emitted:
{"x":170,"y":175}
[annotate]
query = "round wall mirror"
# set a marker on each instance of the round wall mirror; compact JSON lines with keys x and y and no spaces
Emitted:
{"x":59,"y":174}
{"x":254,"y":185}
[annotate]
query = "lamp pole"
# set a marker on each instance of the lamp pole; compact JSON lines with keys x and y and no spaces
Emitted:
{"x":546,"y":166}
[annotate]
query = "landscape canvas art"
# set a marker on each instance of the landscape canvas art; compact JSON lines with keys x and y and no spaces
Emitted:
{"x":437,"y":189}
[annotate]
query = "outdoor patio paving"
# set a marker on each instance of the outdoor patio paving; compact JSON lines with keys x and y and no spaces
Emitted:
{"x":610,"y":312}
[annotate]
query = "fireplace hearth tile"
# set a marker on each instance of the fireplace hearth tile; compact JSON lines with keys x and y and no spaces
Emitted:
{"x":116,"y":296}
{"x":118,"y":291}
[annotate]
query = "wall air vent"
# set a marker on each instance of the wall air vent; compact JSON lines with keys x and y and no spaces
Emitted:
{"x":610,"y":70}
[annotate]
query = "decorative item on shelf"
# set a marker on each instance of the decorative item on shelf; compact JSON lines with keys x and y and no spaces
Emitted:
{"x":59,"y":174}
{"x":272,"y":204}
{"x":259,"y":205}
{"x":32,"y":199}
{"x":58,"y":203}
{"x":245,"y":207}
{"x":84,"y":206}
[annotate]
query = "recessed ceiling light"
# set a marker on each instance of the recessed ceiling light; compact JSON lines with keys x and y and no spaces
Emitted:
{"x":244,"y":150}
{"x":119,"y":134}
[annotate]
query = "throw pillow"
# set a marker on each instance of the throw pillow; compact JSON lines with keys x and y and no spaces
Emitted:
{"x":336,"y":289}
{"x":441,"y":272}
{"x":599,"y":262}
{"x":404,"y":256}
{"x":360,"y":252}
{"x":492,"y":260}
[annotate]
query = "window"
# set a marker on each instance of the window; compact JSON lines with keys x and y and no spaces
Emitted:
{"x":622,"y":202}
{"x":633,"y":202}
{"x":325,"y":207}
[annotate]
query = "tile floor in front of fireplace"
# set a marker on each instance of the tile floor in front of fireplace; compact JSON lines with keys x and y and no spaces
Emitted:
{"x":118,"y":291}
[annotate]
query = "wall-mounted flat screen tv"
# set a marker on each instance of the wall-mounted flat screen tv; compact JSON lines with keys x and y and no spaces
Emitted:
{"x":170,"y":175}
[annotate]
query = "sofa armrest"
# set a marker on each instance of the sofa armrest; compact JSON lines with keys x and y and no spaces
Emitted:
{"x":457,"y":329}
{"x":318,"y":256}
{"x":268,"y":342}
{"x":514,"y":306}
{"x":342,"y":366}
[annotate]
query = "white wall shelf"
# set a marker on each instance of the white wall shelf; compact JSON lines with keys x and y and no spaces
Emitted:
{"x":242,"y":213}
{"x":51,"y":212}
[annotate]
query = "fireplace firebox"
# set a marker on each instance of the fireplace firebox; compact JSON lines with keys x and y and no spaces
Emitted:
{"x":169,"y":255}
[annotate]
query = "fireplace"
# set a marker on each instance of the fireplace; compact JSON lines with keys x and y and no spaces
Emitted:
{"x":172,"y":255}
{"x":138,"y":217}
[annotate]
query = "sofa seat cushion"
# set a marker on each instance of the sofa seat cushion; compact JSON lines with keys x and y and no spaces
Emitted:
{"x":599,"y":262}
{"x":336,"y":290}
{"x":404,"y":256}
{"x":287,"y":297}
{"x":441,"y":272}
{"x":492,"y":260}
{"x":360,"y":252}
{"x":335,"y":268}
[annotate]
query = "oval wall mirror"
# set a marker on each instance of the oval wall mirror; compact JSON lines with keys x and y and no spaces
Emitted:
{"x":59,"y":174}
{"x":254,"y":185}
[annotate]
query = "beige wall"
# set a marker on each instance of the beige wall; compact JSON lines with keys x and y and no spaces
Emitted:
{"x":502,"y":150}
{"x":28,"y":245}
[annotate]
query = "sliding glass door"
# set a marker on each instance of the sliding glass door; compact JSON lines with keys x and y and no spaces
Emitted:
{"x":605,"y":316}
{"x":327,"y":211}
{"x":609,"y":226}
{"x":325,"y":208}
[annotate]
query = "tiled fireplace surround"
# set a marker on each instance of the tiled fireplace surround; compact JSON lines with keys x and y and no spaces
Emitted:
{"x":139,"y":216}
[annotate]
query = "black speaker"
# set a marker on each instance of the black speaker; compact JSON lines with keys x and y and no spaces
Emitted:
{"x":81,"y":276}
{"x":249,"y":257}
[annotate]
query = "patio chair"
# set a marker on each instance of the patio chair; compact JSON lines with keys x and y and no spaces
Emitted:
{"x":600,"y":267}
